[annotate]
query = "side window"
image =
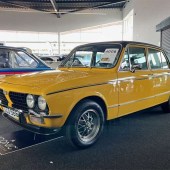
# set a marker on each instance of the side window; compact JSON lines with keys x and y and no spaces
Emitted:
{"x":137,"y":58}
{"x":164,"y":61}
{"x":26,"y":60}
{"x":154,"y":57}
{"x":134,"y":57}
{"x":4,"y":59}
{"x":20,"y":59}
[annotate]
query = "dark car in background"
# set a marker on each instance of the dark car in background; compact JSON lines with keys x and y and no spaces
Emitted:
{"x":17,"y":60}
{"x":54,"y":58}
{"x":53,"y":61}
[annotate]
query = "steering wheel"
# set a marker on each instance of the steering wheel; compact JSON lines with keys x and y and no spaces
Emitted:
{"x":77,"y":62}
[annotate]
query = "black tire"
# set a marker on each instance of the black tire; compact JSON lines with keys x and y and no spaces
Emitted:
{"x":166,"y":107}
{"x":85,"y":124}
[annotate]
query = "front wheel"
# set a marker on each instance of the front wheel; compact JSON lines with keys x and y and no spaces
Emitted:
{"x":86,"y":124}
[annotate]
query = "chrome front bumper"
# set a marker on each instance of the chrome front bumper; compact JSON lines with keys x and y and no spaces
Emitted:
{"x":35,"y":129}
{"x":28,"y":120}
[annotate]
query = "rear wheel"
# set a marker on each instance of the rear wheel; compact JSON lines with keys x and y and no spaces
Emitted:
{"x":85,"y":125}
{"x":166,"y":107}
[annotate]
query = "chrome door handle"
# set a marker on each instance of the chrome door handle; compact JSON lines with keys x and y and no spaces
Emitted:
{"x":150,"y":76}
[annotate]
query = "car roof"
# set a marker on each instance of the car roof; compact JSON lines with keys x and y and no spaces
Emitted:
{"x":9,"y":47}
{"x":123,"y":43}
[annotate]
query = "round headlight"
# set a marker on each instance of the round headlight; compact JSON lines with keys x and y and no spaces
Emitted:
{"x":30,"y":101}
{"x":42,"y":103}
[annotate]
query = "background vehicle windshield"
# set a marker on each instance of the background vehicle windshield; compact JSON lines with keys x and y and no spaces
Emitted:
{"x":99,"y":56}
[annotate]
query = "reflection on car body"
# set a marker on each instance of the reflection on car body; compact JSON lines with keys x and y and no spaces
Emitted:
{"x":109,"y":80}
{"x":17,"y":61}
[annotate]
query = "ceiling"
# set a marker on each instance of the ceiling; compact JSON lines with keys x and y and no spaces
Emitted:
{"x":59,"y":7}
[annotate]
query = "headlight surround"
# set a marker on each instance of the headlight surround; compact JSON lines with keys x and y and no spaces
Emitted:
{"x":30,"y":101}
{"x":42,"y":103}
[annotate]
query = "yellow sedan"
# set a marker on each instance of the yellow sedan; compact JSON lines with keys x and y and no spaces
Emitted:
{"x":95,"y":83}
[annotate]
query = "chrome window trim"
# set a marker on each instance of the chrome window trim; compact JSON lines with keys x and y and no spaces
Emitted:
{"x":134,"y":101}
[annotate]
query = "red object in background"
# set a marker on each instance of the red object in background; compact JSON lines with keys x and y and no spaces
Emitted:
{"x":12,"y":73}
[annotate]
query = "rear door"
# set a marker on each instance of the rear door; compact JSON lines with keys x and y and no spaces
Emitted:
{"x":159,"y":65}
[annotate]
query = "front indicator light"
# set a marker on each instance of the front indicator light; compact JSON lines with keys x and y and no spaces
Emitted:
{"x":34,"y":119}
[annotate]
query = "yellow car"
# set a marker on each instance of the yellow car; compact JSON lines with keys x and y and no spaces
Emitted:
{"x":95,"y":83}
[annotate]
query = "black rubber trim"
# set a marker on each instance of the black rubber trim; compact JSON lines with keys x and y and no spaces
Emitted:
{"x":32,"y":128}
{"x":53,"y":116}
{"x":78,"y":87}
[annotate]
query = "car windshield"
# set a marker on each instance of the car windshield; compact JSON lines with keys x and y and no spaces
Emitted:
{"x":98,"y":55}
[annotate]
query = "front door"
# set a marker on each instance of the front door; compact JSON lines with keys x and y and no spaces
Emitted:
{"x":135,"y":81}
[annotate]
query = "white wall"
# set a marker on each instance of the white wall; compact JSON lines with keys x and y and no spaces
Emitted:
{"x":147,"y":14}
{"x":42,"y":22}
{"x":128,"y":26}
{"x":128,"y":7}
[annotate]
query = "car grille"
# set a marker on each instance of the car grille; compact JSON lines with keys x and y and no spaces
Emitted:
{"x":3,"y":99}
{"x":18,"y":100}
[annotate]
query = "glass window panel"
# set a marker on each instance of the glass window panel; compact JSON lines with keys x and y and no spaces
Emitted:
{"x":4,"y":59}
{"x":125,"y":65}
{"x":137,"y":58}
{"x":21,"y":60}
{"x":154,"y":57}
{"x":100,"y":56}
{"x":164,"y":61}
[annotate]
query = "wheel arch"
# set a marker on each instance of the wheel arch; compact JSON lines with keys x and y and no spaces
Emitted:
{"x":94,"y":98}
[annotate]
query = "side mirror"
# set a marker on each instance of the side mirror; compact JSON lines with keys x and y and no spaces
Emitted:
{"x":135,"y":67}
{"x":132,"y":69}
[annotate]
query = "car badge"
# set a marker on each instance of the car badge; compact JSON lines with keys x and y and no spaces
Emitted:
{"x":5,"y":92}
